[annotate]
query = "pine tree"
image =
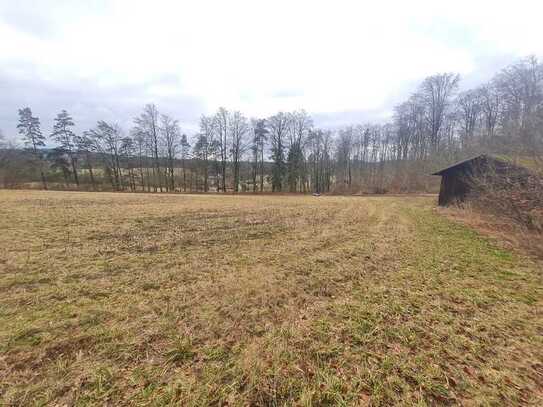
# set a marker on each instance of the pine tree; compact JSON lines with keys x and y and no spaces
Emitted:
{"x":63,"y":135}
{"x":29,"y":129}
{"x":260,"y":138}
{"x":185,"y":149}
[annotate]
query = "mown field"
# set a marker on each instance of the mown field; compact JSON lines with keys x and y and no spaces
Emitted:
{"x":141,"y":299}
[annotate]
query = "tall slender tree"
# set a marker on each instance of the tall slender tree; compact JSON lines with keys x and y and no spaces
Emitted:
{"x":85,"y":146}
{"x":147,"y":124}
{"x":184,"y":148}
{"x":222,"y":123}
{"x":29,"y":129}
{"x":127,"y":151}
{"x":436,"y":92}
{"x":278,"y":125}
{"x":260,"y":137}
{"x":238,"y":130}
{"x":171,"y":135}
{"x":107,"y":141}
{"x":469,"y":109}
{"x":141,"y":149}
{"x":344,"y":152}
{"x":63,"y":134}
{"x":205,"y":147}
{"x":300,"y":124}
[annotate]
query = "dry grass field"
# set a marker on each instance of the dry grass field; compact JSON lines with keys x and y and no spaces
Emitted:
{"x":141,"y":299}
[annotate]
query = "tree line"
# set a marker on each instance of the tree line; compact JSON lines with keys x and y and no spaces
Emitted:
{"x":286,"y":152}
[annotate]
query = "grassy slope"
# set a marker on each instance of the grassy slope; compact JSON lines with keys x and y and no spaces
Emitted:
{"x":193,"y":300}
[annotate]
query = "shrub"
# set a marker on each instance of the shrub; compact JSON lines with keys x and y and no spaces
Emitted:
{"x":515,"y":194}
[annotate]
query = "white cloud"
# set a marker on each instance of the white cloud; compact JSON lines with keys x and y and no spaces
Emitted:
{"x":257,"y":56}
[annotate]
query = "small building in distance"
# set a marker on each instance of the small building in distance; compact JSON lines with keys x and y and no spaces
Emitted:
{"x":464,"y":177}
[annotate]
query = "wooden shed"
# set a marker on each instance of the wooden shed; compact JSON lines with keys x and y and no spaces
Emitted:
{"x":461,"y":178}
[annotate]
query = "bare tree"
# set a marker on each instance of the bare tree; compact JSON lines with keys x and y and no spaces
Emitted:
{"x":300,"y":123}
{"x":141,"y":148}
{"x":238,"y":131}
{"x":521,"y":91}
{"x":171,"y":135}
{"x":469,"y":110}
{"x":107,"y":139}
{"x":201,"y":154}
{"x":184,"y":151}
{"x":222,"y":121}
{"x":147,"y":123}
{"x":278,"y":125}
{"x":436,"y":92}
{"x":206,"y":146}
{"x":127,"y":152}
{"x":319,"y":143}
{"x":86,"y":147}
{"x":344,"y":153}
{"x":260,"y":137}
{"x":490,"y":108}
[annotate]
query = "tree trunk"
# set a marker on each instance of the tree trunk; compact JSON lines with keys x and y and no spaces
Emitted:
{"x":43,"y":180}
{"x":262,"y":169}
{"x":91,"y":173}
{"x":224,"y":176}
{"x":206,"y":186}
{"x":74,"y":170}
{"x":184,"y":177}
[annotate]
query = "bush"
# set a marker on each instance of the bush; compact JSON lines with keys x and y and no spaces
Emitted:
{"x":517,"y":195}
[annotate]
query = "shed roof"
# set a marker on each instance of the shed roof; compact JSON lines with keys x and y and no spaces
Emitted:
{"x":521,"y":164}
{"x":460,"y":163}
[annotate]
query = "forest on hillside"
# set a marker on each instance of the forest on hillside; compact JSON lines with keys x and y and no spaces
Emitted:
{"x":437,"y":125}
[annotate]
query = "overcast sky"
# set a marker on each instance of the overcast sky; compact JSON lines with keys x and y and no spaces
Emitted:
{"x":343,"y":61}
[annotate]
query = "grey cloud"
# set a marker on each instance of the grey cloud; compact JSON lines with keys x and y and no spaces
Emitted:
{"x":42,"y":18}
{"x":288,"y":93}
{"x":486,"y":66}
{"x":87,"y":102}
{"x":352,"y":117}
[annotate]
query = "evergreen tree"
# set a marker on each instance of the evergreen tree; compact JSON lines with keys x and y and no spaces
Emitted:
{"x":63,"y":135}
{"x":29,"y":129}
{"x":260,"y":138}
{"x":185,"y":149}
{"x":278,"y":128}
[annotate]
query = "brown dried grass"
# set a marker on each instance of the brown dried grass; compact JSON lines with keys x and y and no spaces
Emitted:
{"x":120,"y":299}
